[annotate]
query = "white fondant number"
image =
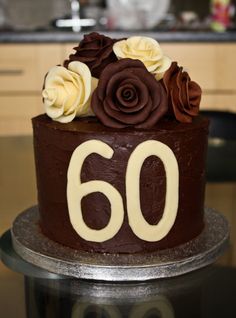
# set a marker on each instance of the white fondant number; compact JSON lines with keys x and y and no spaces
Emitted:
{"x":139,"y":225}
{"x":77,"y":190}
{"x":141,"y":228}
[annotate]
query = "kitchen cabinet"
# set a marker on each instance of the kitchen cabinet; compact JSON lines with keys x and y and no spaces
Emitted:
{"x":23,"y":67}
{"x":22,"y":70}
{"x":211,"y":65}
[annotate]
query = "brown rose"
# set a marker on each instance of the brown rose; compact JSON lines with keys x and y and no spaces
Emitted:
{"x":184,"y":95}
{"x":95,"y":50}
{"x":127,"y":94}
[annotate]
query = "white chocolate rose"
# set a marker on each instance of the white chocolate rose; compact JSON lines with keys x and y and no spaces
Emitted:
{"x":165,"y":65}
{"x":67,"y":92}
{"x":145,"y":49}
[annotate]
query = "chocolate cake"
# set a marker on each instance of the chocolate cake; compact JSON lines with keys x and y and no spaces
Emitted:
{"x":120,"y":153}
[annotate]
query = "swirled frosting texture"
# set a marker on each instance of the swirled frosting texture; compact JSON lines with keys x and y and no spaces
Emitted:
{"x":128,"y":95}
{"x":146,"y":50}
{"x":184,"y":95}
{"x":96,"y":51}
{"x":67,"y":92}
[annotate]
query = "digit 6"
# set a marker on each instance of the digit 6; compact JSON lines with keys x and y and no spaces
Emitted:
{"x":77,"y":190}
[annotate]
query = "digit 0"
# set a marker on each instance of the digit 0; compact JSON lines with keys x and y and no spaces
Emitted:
{"x":138,"y":224}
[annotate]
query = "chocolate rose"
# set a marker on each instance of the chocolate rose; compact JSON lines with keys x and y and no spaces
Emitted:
{"x":127,"y":94}
{"x":67,"y":92}
{"x":184,"y":95}
{"x":95,"y":50}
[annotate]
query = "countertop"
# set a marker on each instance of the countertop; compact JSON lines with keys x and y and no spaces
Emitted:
{"x":50,"y":36}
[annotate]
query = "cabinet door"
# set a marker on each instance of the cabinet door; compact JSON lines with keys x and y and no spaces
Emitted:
{"x":16,"y":113}
{"x":198,"y":60}
{"x":23,"y":66}
{"x":69,"y":49}
{"x":22,"y":71}
{"x":213,"y":66}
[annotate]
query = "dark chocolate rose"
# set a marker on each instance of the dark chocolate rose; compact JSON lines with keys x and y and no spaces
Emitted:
{"x":184,"y":95}
{"x":127,"y":94}
{"x":95,"y":50}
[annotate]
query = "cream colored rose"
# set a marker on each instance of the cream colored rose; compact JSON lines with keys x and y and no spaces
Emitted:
{"x":67,"y":92}
{"x":146,"y":50}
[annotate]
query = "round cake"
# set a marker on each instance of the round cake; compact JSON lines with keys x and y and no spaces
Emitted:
{"x":54,"y":145}
{"x":120,"y":153}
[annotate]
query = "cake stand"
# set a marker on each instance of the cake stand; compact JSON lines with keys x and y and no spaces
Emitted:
{"x":35,"y":248}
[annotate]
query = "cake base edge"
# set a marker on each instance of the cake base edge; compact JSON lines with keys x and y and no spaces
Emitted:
{"x":34,"y":247}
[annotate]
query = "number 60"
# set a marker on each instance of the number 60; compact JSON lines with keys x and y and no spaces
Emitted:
{"x":141,"y":228}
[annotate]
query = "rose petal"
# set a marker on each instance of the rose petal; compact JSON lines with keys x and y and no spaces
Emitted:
{"x":150,"y":83}
{"x":53,"y":112}
{"x":114,"y":82}
{"x":86,"y":110}
{"x":97,"y":106}
{"x":164,"y":66}
{"x":158,"y":113}
{"x":179,"y":113}
{"x":84,"y":72}
{"x":134,"y":118}
{"x":127,"y":94}
{"x":66,"y":119}
{"x":112,"y":102}
{"x":142,"y":94}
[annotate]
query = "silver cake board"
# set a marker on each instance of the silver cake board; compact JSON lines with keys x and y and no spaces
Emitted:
{"x":35,"y":248}
{"x":17,"y":264}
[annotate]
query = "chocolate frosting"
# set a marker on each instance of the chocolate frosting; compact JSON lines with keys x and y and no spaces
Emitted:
{"x":54,"y":144}
{"x":128,"y":95}
{"x":184,"y":94}
{"x":96,"y":51}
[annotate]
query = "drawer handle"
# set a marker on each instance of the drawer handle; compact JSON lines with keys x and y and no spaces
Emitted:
{"x":11,"y":72}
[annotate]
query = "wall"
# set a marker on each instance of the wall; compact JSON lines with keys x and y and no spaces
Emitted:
{"x":27,"y":14}
{"x":200,"y":6}
{"x":31,"y":14}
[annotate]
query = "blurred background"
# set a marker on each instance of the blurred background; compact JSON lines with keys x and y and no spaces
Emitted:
{"x":36,"y":35}
{"x":166,"y":14}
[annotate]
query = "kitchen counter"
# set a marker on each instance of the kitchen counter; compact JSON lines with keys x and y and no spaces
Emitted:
{"x":162,"y":36}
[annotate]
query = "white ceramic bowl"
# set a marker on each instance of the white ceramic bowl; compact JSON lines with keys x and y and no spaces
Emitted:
{"x":136,"y":14}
